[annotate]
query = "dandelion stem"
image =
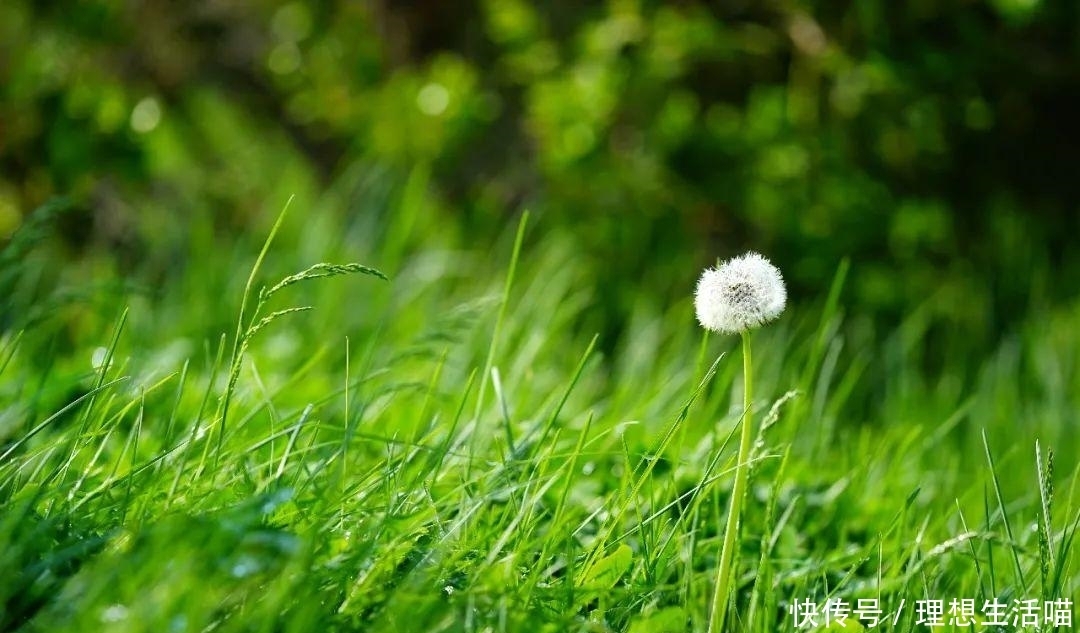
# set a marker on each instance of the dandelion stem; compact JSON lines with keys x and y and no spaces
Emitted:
{"x":724,"y":571}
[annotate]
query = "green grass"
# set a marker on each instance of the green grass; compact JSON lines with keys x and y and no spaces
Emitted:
{"x":452,"y":450}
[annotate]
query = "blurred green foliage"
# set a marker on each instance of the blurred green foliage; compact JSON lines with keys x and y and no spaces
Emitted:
{"x":931,"y":142}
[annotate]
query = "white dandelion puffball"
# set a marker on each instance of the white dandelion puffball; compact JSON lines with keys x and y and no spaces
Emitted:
{"x":740,"y":294}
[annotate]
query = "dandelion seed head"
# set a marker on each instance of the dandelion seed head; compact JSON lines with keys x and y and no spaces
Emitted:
{"x":740,"y":294}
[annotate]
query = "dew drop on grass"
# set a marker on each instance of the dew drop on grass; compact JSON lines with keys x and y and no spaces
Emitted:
{"x":246,"y":566}
{"x":114,"y":613}
{"x":97,"y":358}
{"x":178,"y":624}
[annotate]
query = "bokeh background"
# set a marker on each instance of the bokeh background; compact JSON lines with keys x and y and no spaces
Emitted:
{"x":933,"y":144}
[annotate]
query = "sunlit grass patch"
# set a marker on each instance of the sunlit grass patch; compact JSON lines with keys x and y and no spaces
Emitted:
{"x":455,"y":450}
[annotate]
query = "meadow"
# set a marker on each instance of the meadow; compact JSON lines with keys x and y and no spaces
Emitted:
{"x":348,"y":424}
{"x":380,"y":316}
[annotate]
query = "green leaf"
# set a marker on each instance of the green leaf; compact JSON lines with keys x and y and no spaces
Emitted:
{"x":607,"y":571}
{"x":667,"y":620}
